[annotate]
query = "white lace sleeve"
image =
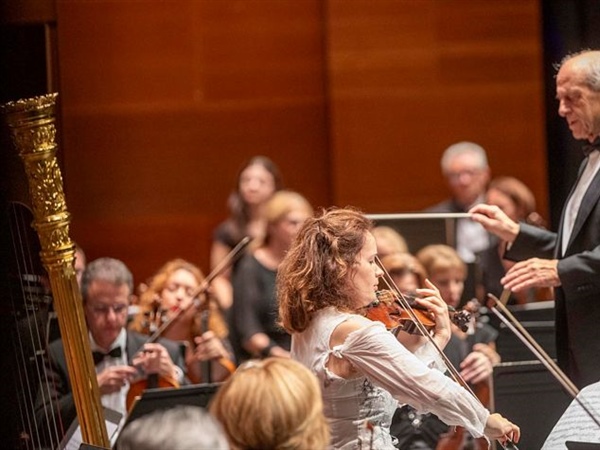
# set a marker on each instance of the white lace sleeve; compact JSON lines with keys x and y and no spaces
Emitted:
{"x":378,"y":355}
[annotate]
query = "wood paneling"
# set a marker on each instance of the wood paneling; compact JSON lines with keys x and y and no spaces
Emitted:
{"x":409,"y":78}
{"x":355,"y":100}
{"x":164,"y":101}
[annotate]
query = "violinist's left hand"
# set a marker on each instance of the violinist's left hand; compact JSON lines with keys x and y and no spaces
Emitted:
{"x":431,"y":298}
{"x":154,"y":358}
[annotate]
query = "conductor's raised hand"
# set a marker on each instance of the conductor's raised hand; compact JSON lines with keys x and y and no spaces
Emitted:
{"x":494,"y":220}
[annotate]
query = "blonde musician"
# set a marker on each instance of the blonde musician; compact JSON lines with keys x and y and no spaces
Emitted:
{"x":171,"y":301}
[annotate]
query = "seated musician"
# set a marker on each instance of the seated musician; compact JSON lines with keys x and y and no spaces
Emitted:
{"x":471,"y":352}
{"x":168,"y":302}
{"x":120,"y":356}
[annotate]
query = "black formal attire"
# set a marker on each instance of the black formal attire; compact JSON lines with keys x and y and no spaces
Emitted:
{"x":255,"y":308}
{"x":577,"y":300}
{"x":55,"y":406}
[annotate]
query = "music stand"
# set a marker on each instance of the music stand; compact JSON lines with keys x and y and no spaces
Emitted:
{"x":421,"y":229}
{"x":165,"y":398}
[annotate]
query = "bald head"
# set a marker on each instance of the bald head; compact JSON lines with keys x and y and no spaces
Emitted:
{"x":578,"y":93}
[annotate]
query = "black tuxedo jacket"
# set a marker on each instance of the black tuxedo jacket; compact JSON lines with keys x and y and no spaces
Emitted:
{"x":54,"y":407}
{"x":578,"y":298}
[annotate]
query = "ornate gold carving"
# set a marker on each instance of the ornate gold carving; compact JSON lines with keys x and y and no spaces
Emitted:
{"x":33,"y":131}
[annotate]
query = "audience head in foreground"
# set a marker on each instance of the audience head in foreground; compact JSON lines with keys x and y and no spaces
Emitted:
{"x":272,"y":404}
{"x":183,"y":428}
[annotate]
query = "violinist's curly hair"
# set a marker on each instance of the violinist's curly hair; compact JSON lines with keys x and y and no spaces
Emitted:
{"x":272,"y":404}
{"x":314,"y":273}
{"x":151,"y":295}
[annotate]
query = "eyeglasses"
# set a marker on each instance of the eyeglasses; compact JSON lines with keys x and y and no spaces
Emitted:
{"x":453,"y":177}
{"x":105,"y":309}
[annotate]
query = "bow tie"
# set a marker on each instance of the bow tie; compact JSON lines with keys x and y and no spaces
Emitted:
{"x":589,"y":148}
{"x":99,"y":356}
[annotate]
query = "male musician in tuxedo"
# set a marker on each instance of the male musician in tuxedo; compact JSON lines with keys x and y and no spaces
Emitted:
{"x":465,"y":167}
{"x":568,"y":260}
{"x":119,"y":355}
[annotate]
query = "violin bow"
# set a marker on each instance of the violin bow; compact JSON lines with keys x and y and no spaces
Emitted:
{"x":388,"y":280}
{"x":498,"y":307}
{"x":223,"y":264}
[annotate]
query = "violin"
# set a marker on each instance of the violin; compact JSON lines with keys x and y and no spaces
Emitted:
{"x":388,"y":310}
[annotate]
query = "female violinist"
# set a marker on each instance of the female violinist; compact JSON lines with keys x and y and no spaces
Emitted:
{"x":170,"y":299}
{"x":328,"y":275}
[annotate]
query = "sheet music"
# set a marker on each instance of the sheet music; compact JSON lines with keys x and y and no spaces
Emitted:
{"x":73,"y":438}
{"x":575,"y":424}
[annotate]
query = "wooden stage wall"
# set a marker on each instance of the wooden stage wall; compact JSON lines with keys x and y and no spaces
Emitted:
{"x":354,"y":100}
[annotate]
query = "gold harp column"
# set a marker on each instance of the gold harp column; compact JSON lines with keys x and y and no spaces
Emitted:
{"x":33,"y":131}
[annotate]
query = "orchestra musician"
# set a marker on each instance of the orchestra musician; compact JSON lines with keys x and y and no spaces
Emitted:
{"x":120,"y":356}
{"x":257,"y":181}
{"x":169,"y":297}
{"x":325,"y":282}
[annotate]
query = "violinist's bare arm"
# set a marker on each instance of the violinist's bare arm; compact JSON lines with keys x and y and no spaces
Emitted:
{"x":340,"y":366}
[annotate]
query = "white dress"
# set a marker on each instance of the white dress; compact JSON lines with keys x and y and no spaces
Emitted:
{"x":360,"y":409}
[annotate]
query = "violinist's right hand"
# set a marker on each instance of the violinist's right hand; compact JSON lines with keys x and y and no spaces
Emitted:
{"x":501,"y":429}
{"x":113,"y":378}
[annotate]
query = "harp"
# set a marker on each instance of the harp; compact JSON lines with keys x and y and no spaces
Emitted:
{"x":31,"y":124}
